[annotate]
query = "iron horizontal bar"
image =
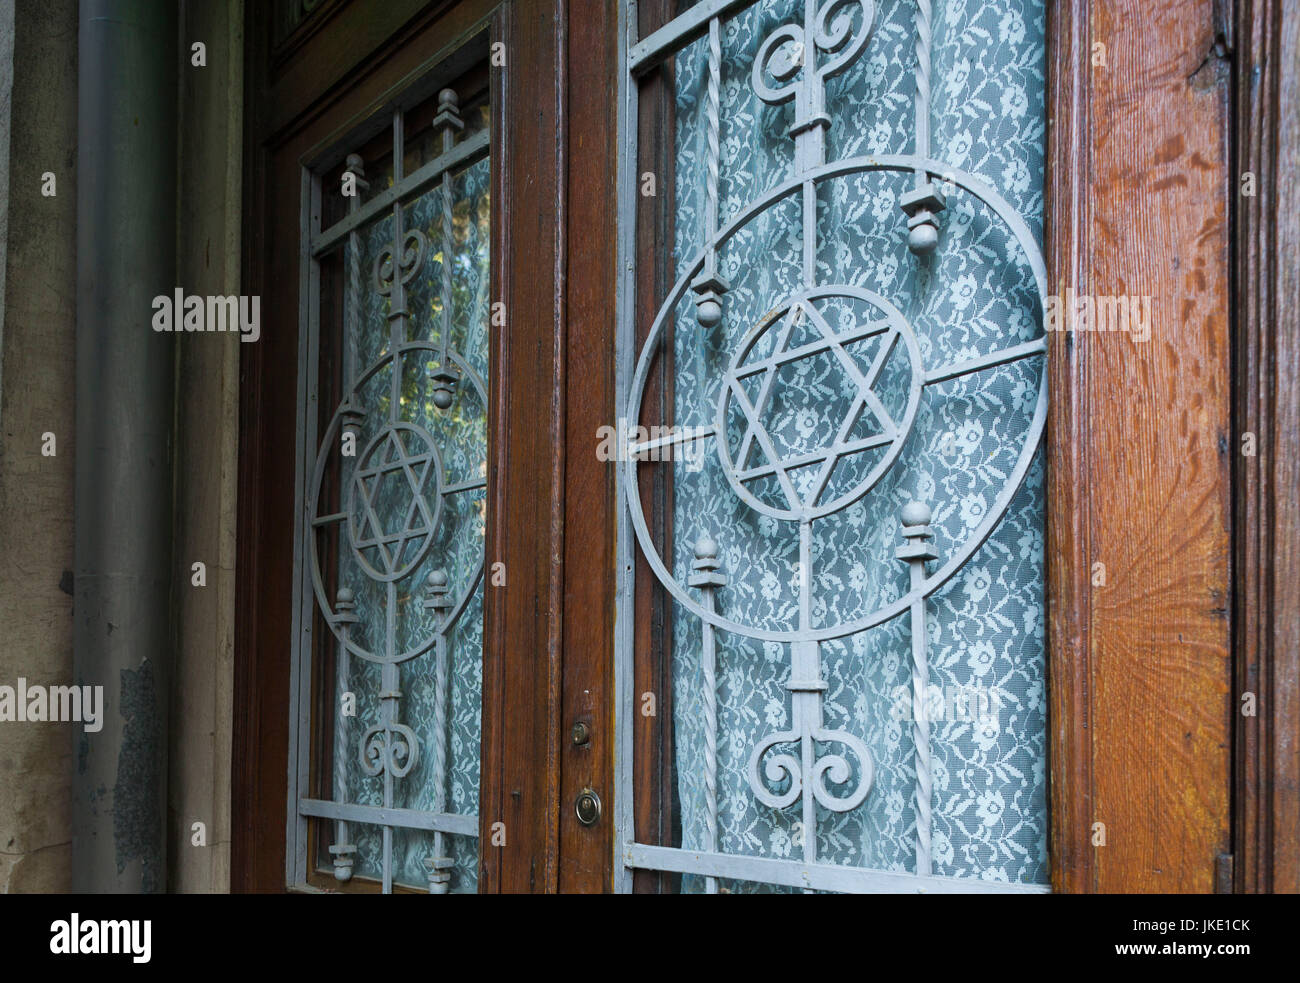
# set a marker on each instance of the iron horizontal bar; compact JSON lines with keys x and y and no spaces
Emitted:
{"x":837,"y":450}
{"x":1036,"y":347}
{"x":683,"y":436}
{"x":467,"y":152}
{"x":461,"y":486}
{"x":812,"y":348}
{"x":822,"y":877}
{"x":677,"y":33}
{"x":438,"y":822}
{"x":325,"y":520}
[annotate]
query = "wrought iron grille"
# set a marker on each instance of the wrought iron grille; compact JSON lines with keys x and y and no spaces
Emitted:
{"x":877,"y":372}
{"x":391,"y":503}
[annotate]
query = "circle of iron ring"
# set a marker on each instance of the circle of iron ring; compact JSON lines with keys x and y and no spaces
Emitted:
{"x":954,"y":560}
{"x":328,"y":445}
{"x":894,"y":327}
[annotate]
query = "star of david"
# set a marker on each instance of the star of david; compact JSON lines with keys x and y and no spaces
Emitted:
{"x":813,"y":467}
{"x":391,"y":460}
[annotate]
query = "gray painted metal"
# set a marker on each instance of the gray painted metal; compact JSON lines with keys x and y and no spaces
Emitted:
{"x":125,"y":572}
{"x":817,"y":877}
{"x":389,"y":749}
{"x":472,"y":150}
{"x":461,"y":824}
{"x":624,"y":342}
{"x":676,"y":34}
{"x":799,"y":58}
{"x":6,"y":98}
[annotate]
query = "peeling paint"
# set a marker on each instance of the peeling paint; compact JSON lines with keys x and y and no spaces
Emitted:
{"x":137,"y":794}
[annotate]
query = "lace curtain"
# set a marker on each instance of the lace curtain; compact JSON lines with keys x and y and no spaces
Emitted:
{"x":461,"y":436}
{"x":974,"y":295}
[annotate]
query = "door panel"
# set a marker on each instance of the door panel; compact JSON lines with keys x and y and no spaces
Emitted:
{"x":833,"y":351}
{"x":327,"y":91}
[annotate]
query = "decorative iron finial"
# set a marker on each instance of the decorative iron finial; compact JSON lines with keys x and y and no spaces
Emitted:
{"x":448,"y":123}
{"x":439,"y":874}
{"x":344,"y":854}
{"x":709,"y":288}
{"x":356,"y":166}
{"x":437,"y":593}
{"x":921,"y":205}
{"x":345,"y":607}
{"x":917,"y":532}
{"x":706,"y":564}
{"x":448,"y":112}
{"x":915,"y":552}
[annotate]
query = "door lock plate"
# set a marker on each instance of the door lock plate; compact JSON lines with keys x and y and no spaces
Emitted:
{"x":587,"y":807}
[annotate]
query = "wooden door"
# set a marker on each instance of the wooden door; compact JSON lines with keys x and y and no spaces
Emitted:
{"x":1147,"y":671}
{"x":337,"y":80}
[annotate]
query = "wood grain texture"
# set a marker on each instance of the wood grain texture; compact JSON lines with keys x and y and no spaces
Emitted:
{"x":590,"y":492}
{"x":1267,"y":505}
{"x":523,"y":634}
{"x":655,"y":809}
{"x":1139,"y":449}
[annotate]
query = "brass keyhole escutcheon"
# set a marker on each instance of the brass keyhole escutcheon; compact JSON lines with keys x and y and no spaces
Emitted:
{"x":587,"y":807}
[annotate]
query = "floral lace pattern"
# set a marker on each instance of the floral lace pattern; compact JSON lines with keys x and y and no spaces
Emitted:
{"x":975,"y":295}
{"x":460,"y":432}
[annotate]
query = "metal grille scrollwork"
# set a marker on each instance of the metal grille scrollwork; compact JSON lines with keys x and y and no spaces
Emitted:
{"x":858,"y":337}
{"x":391,"y":549}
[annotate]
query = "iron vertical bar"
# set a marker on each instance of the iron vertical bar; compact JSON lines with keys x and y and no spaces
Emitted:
{"x":448,"y":122}
{"x":397,"y":300}
{"x":708,"y":577}
{"x":925,"y":200}
{"x":624,"y":645}
{"x":709,"y":286}
{"x":439,"y":776}
{"x":805,"y":671}
{"x":921,"y":725}
{"x":389,"y":681}
{"x":924,"y":37}
{"x":341,"y":849}
{"x":917,"y":550}
{"x":390,"y":675}
{"x":438,"y":601}
{"x":710,"y":687}
{"x":809,"y":133}
{"x":711,"y":115}
{"x":352,"y":327}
